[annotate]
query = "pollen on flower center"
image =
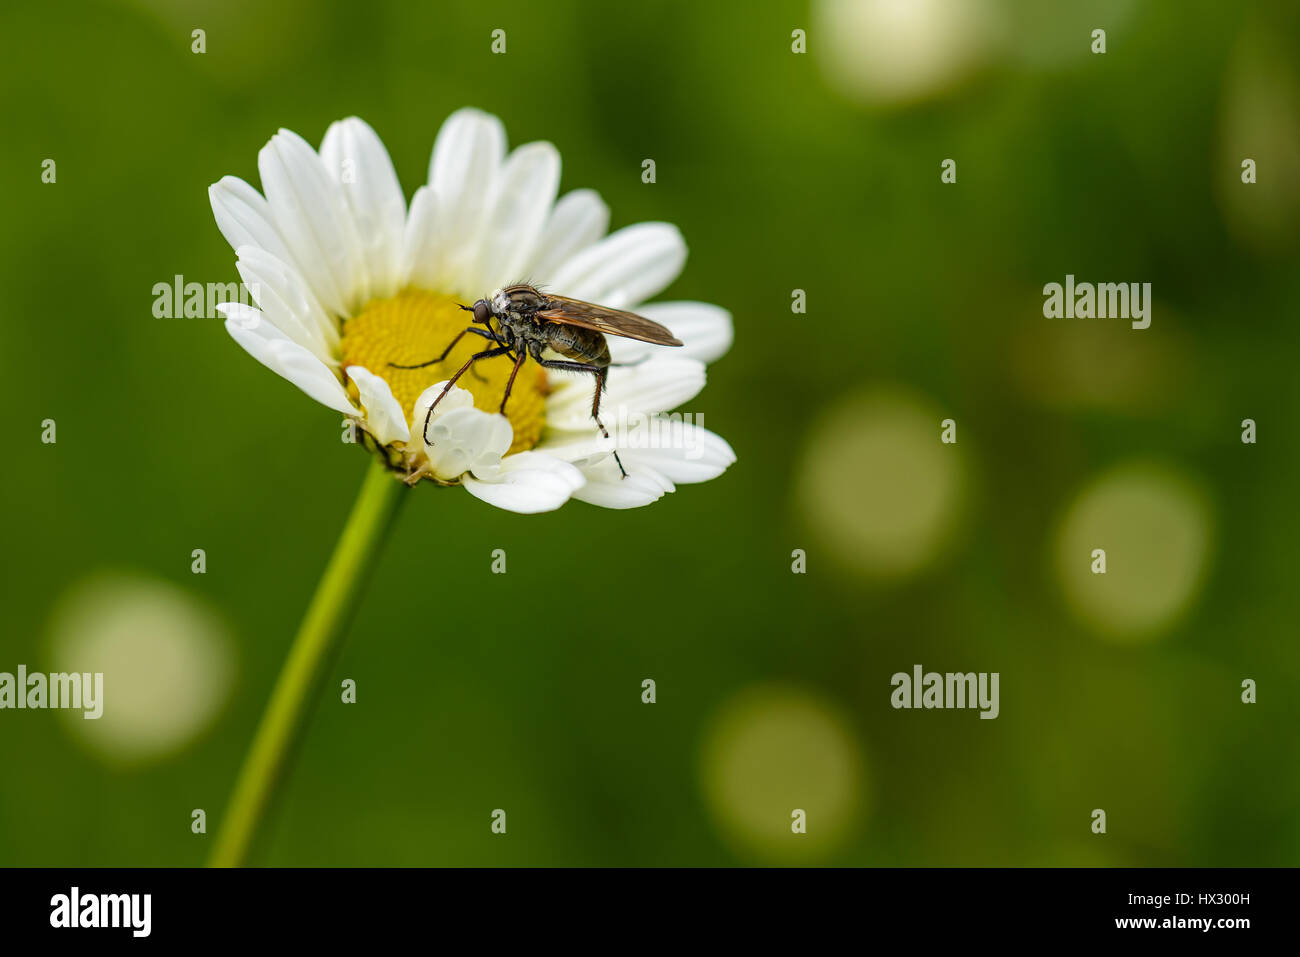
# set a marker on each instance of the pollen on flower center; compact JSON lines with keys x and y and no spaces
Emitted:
{"x":416,"y":326}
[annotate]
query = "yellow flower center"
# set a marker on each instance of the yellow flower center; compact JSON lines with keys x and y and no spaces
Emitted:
{"x":416,"y":326}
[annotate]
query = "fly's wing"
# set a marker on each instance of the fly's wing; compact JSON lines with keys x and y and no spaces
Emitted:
{"x":614,"y":322}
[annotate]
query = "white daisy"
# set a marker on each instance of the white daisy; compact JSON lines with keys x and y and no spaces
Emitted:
{"x":350,"y":282}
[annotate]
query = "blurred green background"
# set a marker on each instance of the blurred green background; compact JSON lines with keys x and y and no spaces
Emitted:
{"x":818,"y":172}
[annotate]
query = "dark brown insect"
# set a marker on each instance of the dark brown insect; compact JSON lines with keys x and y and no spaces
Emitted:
{"x":520,"y":321}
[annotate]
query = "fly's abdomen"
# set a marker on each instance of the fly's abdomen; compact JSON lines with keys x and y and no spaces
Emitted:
{"x":585,"y":345}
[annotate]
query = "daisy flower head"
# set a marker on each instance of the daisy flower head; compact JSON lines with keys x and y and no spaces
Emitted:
{"x":359,"y":296}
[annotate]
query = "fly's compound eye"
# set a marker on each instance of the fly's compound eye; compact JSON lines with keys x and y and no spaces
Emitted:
{"x":482,"y":311}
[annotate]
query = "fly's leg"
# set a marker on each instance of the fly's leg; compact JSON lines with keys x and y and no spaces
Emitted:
{"x":446,"y":352}
{"x":602,"y":374}
{"x":486,"y":354}
{"x":519,"y":361}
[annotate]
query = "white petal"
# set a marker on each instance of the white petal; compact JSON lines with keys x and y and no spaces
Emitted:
{"x":582,"y":447}
{"x":461,"y":437}
{"x":465,"y":439}
{"x":578,"y":220}
{"x":467,"y":155}
{"x":626,"y":267}
{"x":607,"y":488}
{"x":423,"y":242}
{"x":526,"y":491}
{"x":287,"y":301}
{"x":355,"y":156}
{"x":527,"y":482}
{"x":658,"y":385}
{"x":457,"y":398}
{"x":312,"y":215}
{"x":244,"y":217}
{"x":680,"y":451}
{"x":540,"y":460}
{"x":704,"y":329}
{"x":385,"y":419}
{"x":523,"y":194}
{"x":271,"y":347}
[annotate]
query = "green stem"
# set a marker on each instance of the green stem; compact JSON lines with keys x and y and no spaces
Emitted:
{"x":310,"y":657}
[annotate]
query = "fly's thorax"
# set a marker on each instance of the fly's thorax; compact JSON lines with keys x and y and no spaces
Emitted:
{"x":519,"y":328}
{"x":523,"y":299}
{"x":515,"y":308}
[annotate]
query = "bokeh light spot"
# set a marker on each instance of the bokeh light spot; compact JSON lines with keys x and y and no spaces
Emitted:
{"x":900,"y":51}
{"x":771,"y":750}
{"x":1155,"y":527}
{"x":877,"y":485}
{"x":167,"y":661}
{"x":1259,"y":119}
